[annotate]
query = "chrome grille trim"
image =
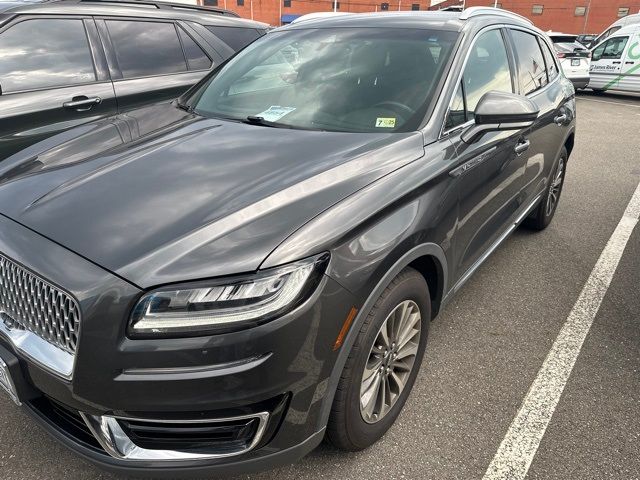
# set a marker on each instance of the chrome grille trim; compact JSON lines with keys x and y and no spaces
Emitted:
{"x":116,"y":443}
{"x":30,"y":304}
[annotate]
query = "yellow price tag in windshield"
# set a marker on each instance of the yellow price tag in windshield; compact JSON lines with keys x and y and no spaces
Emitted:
{"x":382,"y":122}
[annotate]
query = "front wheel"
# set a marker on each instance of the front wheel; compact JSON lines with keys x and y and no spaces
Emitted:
{"x":383,"y":364}
{"x":541,"y":217}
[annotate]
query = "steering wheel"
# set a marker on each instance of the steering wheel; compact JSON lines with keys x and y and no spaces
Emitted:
{"x":397,"y":107}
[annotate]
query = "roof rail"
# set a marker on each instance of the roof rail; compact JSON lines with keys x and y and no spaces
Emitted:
{"x":476,"y":11}
{"x":167,"y":5}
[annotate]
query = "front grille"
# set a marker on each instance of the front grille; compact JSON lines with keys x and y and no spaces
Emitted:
{"x":28,"y":302}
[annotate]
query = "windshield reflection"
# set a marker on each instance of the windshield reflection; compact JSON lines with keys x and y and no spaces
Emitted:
{"x":356,"y":80}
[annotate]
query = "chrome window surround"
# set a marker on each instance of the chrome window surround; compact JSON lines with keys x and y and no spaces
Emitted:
{"x":484,"y":30}
{"x":443,"y":132}
{"x":44,"y":333}
{"x":117,"y":443}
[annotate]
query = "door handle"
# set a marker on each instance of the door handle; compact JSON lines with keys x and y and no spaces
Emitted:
{"x":522,"y":146}
{"x":82,"y":103}
{"x":629,"y":63}
{"x":616,"y":63}
{"x":560,"y":119}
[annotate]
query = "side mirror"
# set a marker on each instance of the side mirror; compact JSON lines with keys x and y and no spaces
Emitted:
{"x":497,"y":111}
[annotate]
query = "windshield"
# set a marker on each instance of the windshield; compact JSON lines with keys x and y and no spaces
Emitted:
{"x":349,"y":80}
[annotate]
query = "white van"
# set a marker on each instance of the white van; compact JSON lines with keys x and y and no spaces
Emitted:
{"x":615,"y":63}
{"x":615,"y":26}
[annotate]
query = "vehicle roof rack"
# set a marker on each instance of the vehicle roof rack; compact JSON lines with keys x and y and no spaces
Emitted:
{"x":477,"y":11}
{"x":166,"y":5}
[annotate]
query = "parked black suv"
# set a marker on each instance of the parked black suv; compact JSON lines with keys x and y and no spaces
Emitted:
{"x":63,"y":63}
{"x":219,"y":283}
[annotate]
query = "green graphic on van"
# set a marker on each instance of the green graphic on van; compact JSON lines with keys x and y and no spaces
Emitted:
{"x":632,"y":56}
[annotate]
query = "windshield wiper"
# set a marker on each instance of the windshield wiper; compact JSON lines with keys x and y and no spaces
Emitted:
{"x":256,"y":120}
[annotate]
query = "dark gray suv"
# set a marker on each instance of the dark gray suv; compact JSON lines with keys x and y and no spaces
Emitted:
{"x":63,"y":63}
{"x":219,"y":283}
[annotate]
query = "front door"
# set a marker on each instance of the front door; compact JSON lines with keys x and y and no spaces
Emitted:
{"x":490,"y":171}
{"x":606,"y":63}
{"x":50,"y":80}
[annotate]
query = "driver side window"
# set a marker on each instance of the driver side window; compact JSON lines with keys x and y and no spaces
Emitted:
{"x":487,"y":69}
{"x":612,"y":49}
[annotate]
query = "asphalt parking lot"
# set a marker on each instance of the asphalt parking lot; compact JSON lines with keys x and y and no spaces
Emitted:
{"x":487,"y":346}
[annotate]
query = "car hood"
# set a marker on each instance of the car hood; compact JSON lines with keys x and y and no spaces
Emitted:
{"x":161,"y":195}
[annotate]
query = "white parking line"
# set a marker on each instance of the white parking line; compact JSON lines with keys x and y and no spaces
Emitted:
{"x":519,"y":446}
{"x":610,"y":102}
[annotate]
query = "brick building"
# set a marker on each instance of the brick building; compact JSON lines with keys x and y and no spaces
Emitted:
{"x":569,"y":16}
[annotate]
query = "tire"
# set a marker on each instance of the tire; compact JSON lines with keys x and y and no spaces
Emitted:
{"x":347,"y":428}
{"x":541,"y":217}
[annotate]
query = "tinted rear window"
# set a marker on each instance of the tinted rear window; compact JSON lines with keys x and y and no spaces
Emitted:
{"x":533,"y":74}
{"x":563,"y":38}
{"x":236,"y":37}
{"x":549,"y":58}
{"x":146,"y":48}
{"x":196,"y":58}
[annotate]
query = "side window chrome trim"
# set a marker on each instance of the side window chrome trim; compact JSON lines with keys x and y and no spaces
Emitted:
{"x":443,"y":132}
{"x":446,"y":133}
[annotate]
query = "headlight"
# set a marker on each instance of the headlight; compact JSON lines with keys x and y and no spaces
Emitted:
{"x":209,"y":307}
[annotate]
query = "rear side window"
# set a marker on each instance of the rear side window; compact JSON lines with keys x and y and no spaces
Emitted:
{"x":487,"y":69}
{"x":533,"y":74}
{"x":146,"y":48}
{"x":45,"y":53}
{"x":236,"y":37}
{"x":196,"y":58}
{"x":549,"y":58}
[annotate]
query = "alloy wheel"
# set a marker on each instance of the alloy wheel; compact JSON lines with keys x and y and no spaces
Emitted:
{"x":554,"y":189}
{"x":390,"y":362}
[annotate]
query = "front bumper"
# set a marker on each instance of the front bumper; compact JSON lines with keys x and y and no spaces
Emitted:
{"x":273,"y":377}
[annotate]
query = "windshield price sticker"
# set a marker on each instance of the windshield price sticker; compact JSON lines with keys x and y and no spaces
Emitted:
{"x":384,"y":122}
{"x":275,"y":113}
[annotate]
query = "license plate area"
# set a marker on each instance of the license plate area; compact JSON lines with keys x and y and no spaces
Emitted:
{"x":6,"y":382}
{"x":575,"y":62}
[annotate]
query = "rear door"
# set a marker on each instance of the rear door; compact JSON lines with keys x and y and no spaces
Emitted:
{"x":53,"y":76}
{"x":606,"y":63}
{"x":151,"y":60}
{"x":540,"y":82}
